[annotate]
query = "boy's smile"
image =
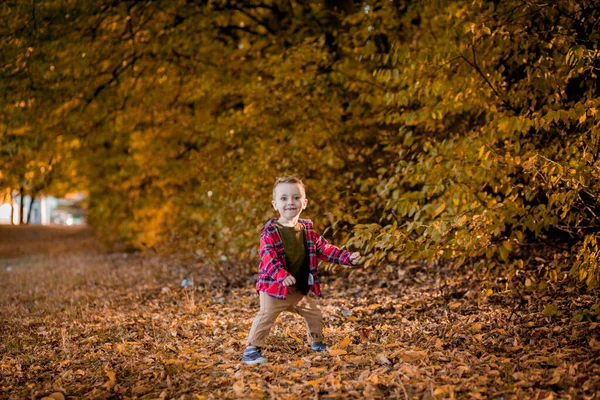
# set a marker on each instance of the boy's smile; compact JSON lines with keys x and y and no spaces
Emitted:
{"x":289,"y":200}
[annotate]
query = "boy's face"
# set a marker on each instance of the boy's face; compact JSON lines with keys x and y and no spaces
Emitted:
{"x":289,"y":199}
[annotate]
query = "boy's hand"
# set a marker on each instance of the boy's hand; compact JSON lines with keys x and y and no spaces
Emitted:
{"x":289,"y":281}
{"x":355,"y":258}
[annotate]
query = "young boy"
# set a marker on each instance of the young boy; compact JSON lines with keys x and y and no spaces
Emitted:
{"x":289,"y":250}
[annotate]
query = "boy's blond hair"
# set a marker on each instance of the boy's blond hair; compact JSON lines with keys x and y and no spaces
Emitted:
{"x":288,"y":179}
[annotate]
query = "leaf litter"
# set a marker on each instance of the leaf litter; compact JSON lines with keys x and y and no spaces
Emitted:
{"x":83,"y":323}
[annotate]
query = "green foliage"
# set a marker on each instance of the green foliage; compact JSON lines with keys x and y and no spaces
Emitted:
{"x":498,"y":138}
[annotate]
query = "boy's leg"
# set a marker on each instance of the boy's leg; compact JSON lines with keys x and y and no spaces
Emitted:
{"x":270,"y":308}
{"x":308,"y":309}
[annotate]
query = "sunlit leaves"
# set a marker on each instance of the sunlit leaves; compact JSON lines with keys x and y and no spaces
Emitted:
{"x":484,"y":169}
{"x":119,"y":324}
{"x":460,"y":130}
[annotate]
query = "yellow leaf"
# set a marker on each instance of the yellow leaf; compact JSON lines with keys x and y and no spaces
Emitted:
{"x":356,"y":360}
{"x":444,"y":389}
{"x":439,"y":209}
{"x":111,"y":380}
{"x":316,"y":383}
{"x":140,"y":389}
{"x":239,"y":387}
{"x":455,"y":305}
{"x":476,"y":327}
{"x":344,"y":343}
{"x":337,"y":352}
{"x":54,"y":396}
{"x":296,"y":338}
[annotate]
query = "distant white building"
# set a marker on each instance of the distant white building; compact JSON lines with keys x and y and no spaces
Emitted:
{"x":45,"y":210}
{"x":41,"y":209}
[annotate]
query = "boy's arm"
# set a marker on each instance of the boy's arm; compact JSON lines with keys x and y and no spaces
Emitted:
{"x":333,"y":254}
{"x":270,"y":264}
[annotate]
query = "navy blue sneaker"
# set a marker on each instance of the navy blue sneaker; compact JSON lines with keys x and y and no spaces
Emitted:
{"x":252,"y":356}
{"x":319,"y":346}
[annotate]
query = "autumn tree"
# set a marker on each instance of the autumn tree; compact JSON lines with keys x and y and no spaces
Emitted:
{"x":496,"y":110}
{"x":443,"y":130}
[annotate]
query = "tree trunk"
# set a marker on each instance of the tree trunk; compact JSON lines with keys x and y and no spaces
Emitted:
{"x":12,"y":208}
{"x":30,"y":208}
{"x":22,"y":205}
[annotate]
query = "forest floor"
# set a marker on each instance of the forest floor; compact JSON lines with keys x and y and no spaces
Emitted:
{"x":79,"y":322}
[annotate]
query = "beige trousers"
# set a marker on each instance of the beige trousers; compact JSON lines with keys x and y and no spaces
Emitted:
{"x":295,"y":301}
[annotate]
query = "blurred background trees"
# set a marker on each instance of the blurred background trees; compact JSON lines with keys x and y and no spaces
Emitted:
{"x":464,"y":131}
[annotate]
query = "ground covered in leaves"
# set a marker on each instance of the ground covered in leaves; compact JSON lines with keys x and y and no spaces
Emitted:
{"x":78,"y":322}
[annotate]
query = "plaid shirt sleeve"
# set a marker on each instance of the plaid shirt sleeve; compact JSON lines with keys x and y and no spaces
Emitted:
{"x":271,"y":271}
{"x":330,"y":253}
{"x":270,"y":264}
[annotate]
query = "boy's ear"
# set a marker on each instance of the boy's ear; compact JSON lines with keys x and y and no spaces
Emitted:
{"x":273,"y":204}
{"x":305,"y":204}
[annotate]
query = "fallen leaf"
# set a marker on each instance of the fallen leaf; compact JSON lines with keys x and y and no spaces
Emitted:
{"x":356,"y":360}
{"x":111,"y":379}
{"x":557,"y":376}
{"x":594,"y":344}
{"x":54,"y":396}
{"x":455,"y":305}
{"x":239,"y":387}
{"x":344,"y":343}
{"x":382,"y":359}
{"x":411,"y":356}
{"x":336,"y":352}
{"x":316,"y":382}
{"x":141,"y":389}
{"x":444,"y":389}
{"x":296,"y":338}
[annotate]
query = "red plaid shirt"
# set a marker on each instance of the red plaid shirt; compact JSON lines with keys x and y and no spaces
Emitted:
{"x":272,"y":272}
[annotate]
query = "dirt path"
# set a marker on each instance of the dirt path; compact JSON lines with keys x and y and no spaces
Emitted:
{"x":88,"y":324}
{"x":25,"y":240}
